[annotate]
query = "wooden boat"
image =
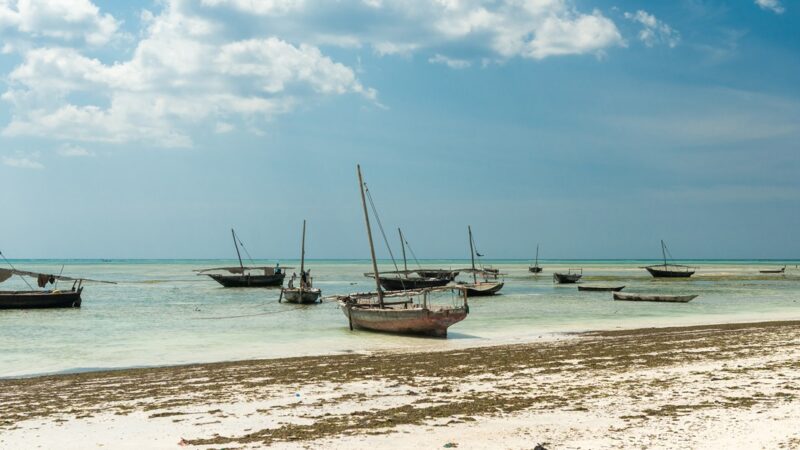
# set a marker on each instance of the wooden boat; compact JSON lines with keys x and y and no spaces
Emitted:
{"x":653,"y":297}
{"x":535,"y":268}
{"x":781,"y":270}
{"x":306,"y":292}
{"x":669,"y":270}
{"x":406,"y":279}
{"x":371,"y":311}
{"x":571,"y":277}
{"x":246,"y":276}
{"x":601,"y":288}
{"x":483,"y":288}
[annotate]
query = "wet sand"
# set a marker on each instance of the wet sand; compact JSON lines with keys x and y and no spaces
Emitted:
{"x":717,"y":386}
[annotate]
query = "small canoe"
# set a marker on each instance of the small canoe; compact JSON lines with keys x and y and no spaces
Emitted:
{"x":601,"y":288}
{"x":653,"y":297}
{"x":566,"y":278}
{"x":781,"y":270}
{"x":308,"y":296}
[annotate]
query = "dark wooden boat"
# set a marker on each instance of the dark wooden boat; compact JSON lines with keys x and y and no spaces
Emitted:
{"x":371,"y":311}
{"x":41,"y":299}
{"x":570,"y":277}
{"x":401,"y":280}
{"x":600,"y":288}
{"x":438,"y":273}
{"x":483,"y":288}
{"x":653,"y":297}
{"x":246,"y":276}
{"x":535,"y":267}
{"x":306,"y":293}
{"x":781,"y":270}
{"x":669,"y":270}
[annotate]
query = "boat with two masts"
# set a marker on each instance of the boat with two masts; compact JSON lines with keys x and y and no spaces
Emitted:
{"x":306,"y":292}
{"x":245,"y":276}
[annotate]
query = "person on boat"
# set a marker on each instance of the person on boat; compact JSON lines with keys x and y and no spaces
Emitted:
{"x":277,"y":268}
{"x":291,"y":281}
{"x":304,"y":278}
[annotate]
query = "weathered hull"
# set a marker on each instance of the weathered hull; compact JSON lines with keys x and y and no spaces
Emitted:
{"x":254,"y":281}
{"x":483,"y":289}
{"x":308,"y":296}
{"x":566,"y":278}
{"x":39,"y":300}
{"x":666,"y":273}
{"x":601,"y":288}
{"x":402,"y":284}
{"x":535,"y":269}
{"x":654,"y":298}
{"x":403,"y":321}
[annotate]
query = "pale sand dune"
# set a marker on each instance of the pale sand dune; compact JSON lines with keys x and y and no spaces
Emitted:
{"x":724,"y":386}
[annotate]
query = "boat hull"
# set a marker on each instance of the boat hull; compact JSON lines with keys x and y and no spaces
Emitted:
{"x":772,"y":271}
{"x":666,"y":273}
{"x":535,"y":269}
{"x":252,"y":281}
{"x":308,"y":296}
{"x":438,"y":273}
{"x":40,"y":300}
{"x":566,"y":278}
{"x":654,"y":298}
{"x":403,"y":284}
{"x":417,"y":321}
{"x":601,"y":288}
{"x":483,"y":289}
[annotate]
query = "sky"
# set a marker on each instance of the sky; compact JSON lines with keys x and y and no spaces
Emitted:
{"x":594,"y":128}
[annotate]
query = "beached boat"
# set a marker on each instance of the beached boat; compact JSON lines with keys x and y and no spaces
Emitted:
{"x":781,"y":270}
{"x":600,"y":288}
{"x":653,"y":297}
{"x":572,"y":276}
{"x":401,"y":280}
{"x":305,"y":292}
{"x":412,"y":312}
{"x":246,"y":276}
{"x":669,"y":270}
{"x":535,"y":267}
{"x":483,"y":288}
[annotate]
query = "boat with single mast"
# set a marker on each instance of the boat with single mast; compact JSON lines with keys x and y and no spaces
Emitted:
{"x":632,"y":297}
{"x":404,"y":312}
{"x":246,"y":276}
{"x":401,"y":280}
{"x":305,"y":292}
{"x":570,"y":277}
{"x":535,"y":267}
{"x":485,"y":287}
{"x":669,"y":270}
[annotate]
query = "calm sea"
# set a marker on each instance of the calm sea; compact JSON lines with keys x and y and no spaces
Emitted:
{"x":160,"y":312}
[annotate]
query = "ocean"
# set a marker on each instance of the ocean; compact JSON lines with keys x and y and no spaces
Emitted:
{"x":162,"y":313}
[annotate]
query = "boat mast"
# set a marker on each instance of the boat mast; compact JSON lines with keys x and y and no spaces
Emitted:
{"x":302,"y":259}
{"x":403,"y":246}
{"x":472,"y":255}
{"x":369,"y":236}
{"x":236,"y":246}
{"x":537,"y":256}
{"x":664,"y":252}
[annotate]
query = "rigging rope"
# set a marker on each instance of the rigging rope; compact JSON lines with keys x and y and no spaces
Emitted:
{"x":14,"y":268}
{"x":241,"y":244}
{"x":251,"y":315}
{"x":380,"y":226}
{"x":413,"y":255}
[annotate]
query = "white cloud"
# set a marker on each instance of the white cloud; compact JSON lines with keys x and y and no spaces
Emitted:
{"x":771,"y":5}
{"x":21,"y":161}
{"x":61,"y":19}
{"x":654,"y":31}
{"x":449,"y":62}
{"x":70,"y":150}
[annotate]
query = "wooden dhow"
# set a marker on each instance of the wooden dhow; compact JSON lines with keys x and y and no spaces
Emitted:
{"x":669,"y":270}
{"x":245,"y":276}
{"x":535,"y":267}
{"x":631,"y":297}
{"x":483,"y":288}
{"x":571,"y":277}
{"x":600,"y":288}
{"x":401,"y":280}
{"x":305,"y":292}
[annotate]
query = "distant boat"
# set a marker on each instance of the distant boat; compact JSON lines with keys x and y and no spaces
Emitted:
{"x":669,"y":270}
{"x":601,"y":288}
{"x":40,"y":299}
{"x":306,"y":292}
{"x":572,"y":276}
{"x":653,"y":298}
{"x":481,"y":288}
{"x":371,"y":311}
{"x":781,"y":270}
{"x":535,"y":268}
{"x":406,"y":279}
{"x":246,"y":276}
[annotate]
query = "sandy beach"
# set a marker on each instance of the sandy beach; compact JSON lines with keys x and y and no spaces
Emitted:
{"x":717,"y":386}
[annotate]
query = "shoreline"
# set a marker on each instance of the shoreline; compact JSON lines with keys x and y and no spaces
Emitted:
{"x":658,"y":380}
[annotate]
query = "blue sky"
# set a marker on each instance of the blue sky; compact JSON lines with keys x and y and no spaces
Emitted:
{"x":595,"y":128}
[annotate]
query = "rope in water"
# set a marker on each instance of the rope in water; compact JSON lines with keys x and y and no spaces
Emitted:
{"x":250,"y":315}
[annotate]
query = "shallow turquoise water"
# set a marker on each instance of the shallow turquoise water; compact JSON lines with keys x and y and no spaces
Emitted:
{"x":162,"y":313}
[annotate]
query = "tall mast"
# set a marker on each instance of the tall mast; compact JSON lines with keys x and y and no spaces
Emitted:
{"x":537,"y":256}
{"x":302,"y":259}
{"x":403,"y":246}
{"x":236,"y":246}
{"x":664,"y":252}
{"x":369,"y":236}
{"x":472,"y":255}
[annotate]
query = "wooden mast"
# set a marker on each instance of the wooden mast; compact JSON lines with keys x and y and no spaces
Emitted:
{"x":472,"y":255}
{"x":664,"y":253}
{"x":537,"y":256}
{"x":369,"y":236}
{"x":236,"y":246}
{"x":403,"y":246}
{"x":302,"y":259}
